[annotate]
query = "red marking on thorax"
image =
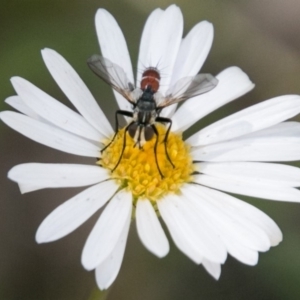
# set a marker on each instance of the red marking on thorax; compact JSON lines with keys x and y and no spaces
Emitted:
{"x":150,"y":77}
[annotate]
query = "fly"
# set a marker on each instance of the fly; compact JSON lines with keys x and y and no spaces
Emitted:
{"x":147,"y":102}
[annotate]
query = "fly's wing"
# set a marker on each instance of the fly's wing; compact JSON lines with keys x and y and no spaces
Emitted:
{"x":189,"y":87}
{"x":113,"y":75}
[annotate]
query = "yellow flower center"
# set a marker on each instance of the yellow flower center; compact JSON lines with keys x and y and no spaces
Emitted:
{"x":138,"y":171}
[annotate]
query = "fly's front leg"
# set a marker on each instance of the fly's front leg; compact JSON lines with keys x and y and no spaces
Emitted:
{"x":169,"y":121}
{"x":118,"y":112}
{"x":155,"y":150}
{"x":140,"y":129}
{"x":124,"y":145}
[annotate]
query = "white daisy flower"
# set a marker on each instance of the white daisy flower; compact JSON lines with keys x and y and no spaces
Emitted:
{"x":237,"y":154}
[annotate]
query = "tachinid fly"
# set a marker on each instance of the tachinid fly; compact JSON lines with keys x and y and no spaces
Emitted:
{"x":147,"y":102}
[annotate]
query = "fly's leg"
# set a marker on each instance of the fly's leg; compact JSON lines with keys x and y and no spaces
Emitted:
{"x":138,"y":142}
{"x":123,"y":147}
{"x":169,"y":121}
{"x":155,"y":150}
{"x":118,"y":112}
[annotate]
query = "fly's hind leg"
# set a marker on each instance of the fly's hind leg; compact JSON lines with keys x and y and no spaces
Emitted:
{"x":169,"y":121}
{"x":118,"y":112}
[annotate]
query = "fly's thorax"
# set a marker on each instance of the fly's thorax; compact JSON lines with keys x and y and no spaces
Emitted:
{"x":145,"y":113}
{"x":146,"y":101}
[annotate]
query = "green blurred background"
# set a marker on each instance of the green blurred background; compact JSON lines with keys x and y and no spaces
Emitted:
{"x":261,"y":37}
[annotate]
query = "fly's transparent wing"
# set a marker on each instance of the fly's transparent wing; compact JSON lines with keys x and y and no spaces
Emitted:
{"x":189,"y":87}
{"x":113,"y":75}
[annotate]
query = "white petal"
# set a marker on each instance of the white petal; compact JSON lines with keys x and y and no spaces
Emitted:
{"x":193,"y":51}
{"x":244,"y":254}
{"x":150,"y":230}
{"x":250,"y":214}
{"x":277,"y":143}
{"x":198,"y":234}
{"x":27,"y":187}
{"x":251,"y":119}
{"x":17,"y":103}
{"x":108,"y":270}
{"x":145,"y":44}
{"x":253,"y":172}
{"x":43,"y":176}
{"x":162,"y":42}
{"x":77,"y":92}
{"x":210,"y":245}
{"x":233,"y":83}
{"x":247,"y":214}
{"x":49,"y":135}
{"x":231,"y":240}
{"x":53,"y":111}
{"x":113,"y":47}
{"x":74,"y":212}
{"x":260,"y":190}
{"x":231,"y":220}
{"x":107,"y":231}
{"x":284,"y":130}
{"x":192,"y":54}
{"x":178,"y":231}
{"x":212,"y":268}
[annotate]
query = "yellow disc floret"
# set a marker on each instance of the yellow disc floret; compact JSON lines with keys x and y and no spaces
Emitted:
{"x":138,"y":171}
